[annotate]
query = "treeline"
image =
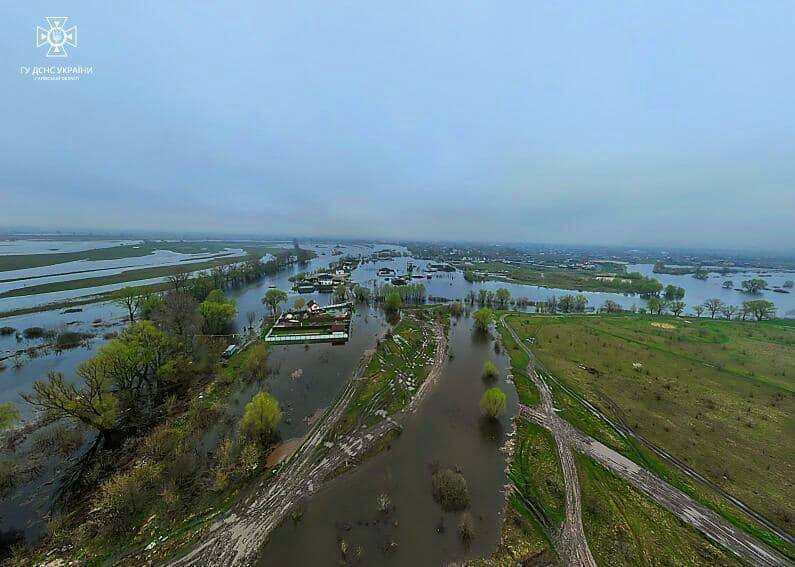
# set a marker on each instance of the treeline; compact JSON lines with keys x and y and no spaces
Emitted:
{"x":409,"y":293}
{"x":238,"y":274}
{"x":698,"y":271}
{"x":638,"y":284}
{"x":471,"y":276}
{"x":569,"y":303}
{"x":487,"y":298}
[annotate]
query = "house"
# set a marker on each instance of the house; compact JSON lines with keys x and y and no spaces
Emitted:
{"x":313,"y":306}
{"x":325,"y":282}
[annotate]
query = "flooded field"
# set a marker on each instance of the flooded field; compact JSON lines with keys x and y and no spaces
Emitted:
{"x":452,"y":285}
{"x":447,"y":431}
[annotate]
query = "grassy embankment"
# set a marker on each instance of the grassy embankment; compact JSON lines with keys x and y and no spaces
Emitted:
{"x":566,"y":278}
{"x":132,"y":275}
{"x":624,"y":527}
{"x":715,"y":394}
{"x":400,"y":364}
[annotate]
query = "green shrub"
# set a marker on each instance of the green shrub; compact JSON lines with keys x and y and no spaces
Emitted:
{"x":261,"y":417}
{"x":493,"y":403}
{"x":9,"y":413}
{"x":126,"y":493}
{"x":8,"y":476}
{"x":256,"y":365}
{"x":450,"y":490}
{"x":490,"y":371}
{"x":69,"y":339}
{"x":33,"y":333}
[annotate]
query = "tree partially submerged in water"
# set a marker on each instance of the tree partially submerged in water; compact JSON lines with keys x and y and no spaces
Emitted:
{"x":450,"y":490}
{"x":466,"y":528}
{"x":493,"y":403}
{"x":503,"y":296}
{"x":393,"y":302}
{"x":261,"y":417}
{"x":754,"y":285}
{"x":489,"y":371}
{"x":119,"y":386}
{"x":132,"y":298}
{"x":256,"y":365}
{"x":361,"y":293}
{"x":483,"y":318}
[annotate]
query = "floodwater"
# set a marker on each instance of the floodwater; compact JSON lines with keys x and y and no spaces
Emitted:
{"x":82,"y":269}
{"x":306,"y":380}
{"x":323,"y":370}
{"x":698,"y":291}
{"x":447,"y":430}
{"x":14,"y":381}
{"x":452,"y":285}
{"x":43,"y":245}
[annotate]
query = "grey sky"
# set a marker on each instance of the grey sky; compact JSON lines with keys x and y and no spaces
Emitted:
{"x":584,"y":122}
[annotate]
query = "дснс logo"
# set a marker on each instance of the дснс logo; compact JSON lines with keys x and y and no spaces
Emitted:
{"x":57,"y":37}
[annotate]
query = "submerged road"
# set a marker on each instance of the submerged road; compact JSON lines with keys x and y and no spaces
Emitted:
{"x":236,"y":539}
{"x":573,"y":545}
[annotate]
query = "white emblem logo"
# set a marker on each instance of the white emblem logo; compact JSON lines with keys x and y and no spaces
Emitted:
{"x":57,"y":37}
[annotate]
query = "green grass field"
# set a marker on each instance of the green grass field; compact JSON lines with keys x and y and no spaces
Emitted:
{"x":718,"y":395}
{"x":537,"y":476}
{"x":624,"y":527}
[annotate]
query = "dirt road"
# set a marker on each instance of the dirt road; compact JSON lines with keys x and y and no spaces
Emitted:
{"x":571,"y":545}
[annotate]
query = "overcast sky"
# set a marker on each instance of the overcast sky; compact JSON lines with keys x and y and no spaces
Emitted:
{"x":574,"y":122}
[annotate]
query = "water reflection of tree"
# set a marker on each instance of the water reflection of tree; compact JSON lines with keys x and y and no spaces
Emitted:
{"x":491,"y":430}
{"x":481,"y":338}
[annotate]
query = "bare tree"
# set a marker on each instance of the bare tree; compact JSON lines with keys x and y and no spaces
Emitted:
{"x":177,"y":314}
{"x":728,"y":311}
{"x":130,"y":298}
{"x":179,"y":280}
{"x":699,"y":309}
{"x":713,"y":306}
